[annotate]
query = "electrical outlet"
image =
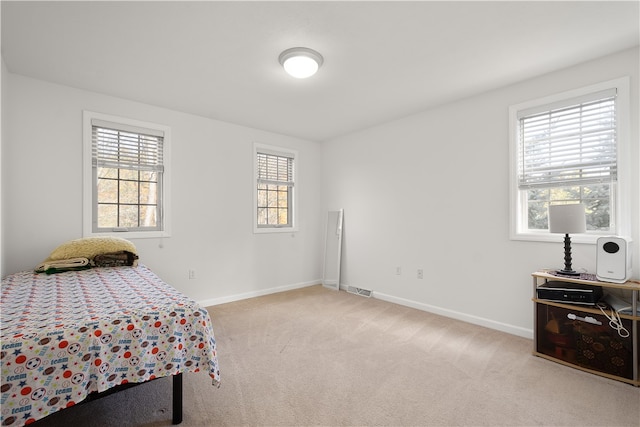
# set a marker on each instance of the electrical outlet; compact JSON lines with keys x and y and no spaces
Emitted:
{"x":420,"y":274}
{"x":398,"y":271}
{"x":192,"y":274}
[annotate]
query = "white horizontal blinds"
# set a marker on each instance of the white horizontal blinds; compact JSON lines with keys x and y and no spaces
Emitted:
{"x":569,"y":143}
{"x":275,"y":169}
{"x":126,"y":147}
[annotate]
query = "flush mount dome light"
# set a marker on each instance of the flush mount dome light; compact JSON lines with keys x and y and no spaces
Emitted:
{"x":300,"y":62}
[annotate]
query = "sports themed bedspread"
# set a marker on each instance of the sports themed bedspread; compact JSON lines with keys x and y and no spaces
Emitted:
{"x":70,"y":334}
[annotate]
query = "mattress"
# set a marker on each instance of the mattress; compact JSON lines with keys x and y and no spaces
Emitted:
{"x":69,"y":334}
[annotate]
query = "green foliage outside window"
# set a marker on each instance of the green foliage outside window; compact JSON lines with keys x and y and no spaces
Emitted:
{"x":596,"y":199}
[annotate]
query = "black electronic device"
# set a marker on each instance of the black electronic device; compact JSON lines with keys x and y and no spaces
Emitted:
{"x":572,"y":293}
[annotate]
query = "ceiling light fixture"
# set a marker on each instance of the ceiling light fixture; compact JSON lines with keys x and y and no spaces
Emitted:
{"x":301,"y":62}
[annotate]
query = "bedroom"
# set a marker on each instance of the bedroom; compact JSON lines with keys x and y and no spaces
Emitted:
{"x":473,"y":270}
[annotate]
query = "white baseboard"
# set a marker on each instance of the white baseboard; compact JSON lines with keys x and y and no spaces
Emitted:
{"x":487,"y":323}
{"x":253,"y":294}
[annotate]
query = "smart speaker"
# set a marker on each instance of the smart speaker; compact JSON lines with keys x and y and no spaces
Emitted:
{"x":613,"y":259}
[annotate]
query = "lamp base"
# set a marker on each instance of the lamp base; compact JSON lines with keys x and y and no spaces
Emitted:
{"x":568,"y":272}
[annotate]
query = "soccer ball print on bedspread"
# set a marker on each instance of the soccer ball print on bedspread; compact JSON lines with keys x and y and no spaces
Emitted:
{"x":107,"y":327}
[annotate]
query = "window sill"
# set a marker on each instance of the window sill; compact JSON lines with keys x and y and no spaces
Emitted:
{"x":132,"y":234}
{"x":257,"y":230}
{"x":590,"y":239}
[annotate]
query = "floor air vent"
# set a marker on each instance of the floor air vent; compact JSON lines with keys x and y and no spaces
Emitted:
{"x":359,"y":291}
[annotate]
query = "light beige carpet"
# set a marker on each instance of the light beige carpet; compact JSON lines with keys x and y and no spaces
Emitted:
{"x":315,"y":356}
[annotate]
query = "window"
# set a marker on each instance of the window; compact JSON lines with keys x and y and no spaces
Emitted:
{"x":125,"y":176}
{"x":570,"y":148}
{"x":274,"y":192}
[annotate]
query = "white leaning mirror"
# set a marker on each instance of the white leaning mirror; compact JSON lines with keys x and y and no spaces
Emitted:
{"x":332,"y":250}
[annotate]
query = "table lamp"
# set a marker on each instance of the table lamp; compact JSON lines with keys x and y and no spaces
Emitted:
{"x":567,"y":219}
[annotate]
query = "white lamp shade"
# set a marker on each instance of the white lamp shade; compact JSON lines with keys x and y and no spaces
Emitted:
{"x":567,"y":219}
{"x":300,"y":62}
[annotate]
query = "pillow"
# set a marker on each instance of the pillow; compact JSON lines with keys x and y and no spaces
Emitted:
{"x":89,"y":247}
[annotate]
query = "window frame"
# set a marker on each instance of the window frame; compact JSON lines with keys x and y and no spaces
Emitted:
{"x":621,"y":197}
{"x":89,"y":179}
{"x":259,"y":148}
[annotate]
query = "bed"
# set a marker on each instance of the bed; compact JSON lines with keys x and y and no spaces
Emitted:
{"x":69,"y":336}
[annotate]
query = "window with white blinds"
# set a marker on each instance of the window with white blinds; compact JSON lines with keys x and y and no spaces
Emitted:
{"x":127,"y":176}
{"x":118,"y":146}
{"x":275,"y":184}
{"x":573,"y":143}
{"x":571,"y":148}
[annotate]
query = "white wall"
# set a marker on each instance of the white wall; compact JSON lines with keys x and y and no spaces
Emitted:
{"x":2,"y":128}
{"x":404,"y":186}
{"x":212,"y":194}
{"x":431,"y":192}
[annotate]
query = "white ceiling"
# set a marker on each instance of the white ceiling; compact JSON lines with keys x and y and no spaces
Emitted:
{"x":382,"y":60}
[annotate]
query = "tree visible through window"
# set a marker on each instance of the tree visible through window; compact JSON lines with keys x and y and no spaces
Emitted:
{"x":127,"y":177}
{"x":567,"y":154}
{"x":596,"y":198}
{"x":274,"y":188}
